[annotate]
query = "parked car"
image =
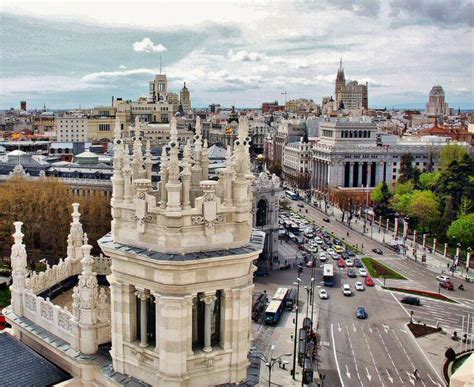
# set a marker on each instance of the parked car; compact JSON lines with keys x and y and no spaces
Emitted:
{"x":357,"y":263}
{"x":359,"y":286}
{"x":326,"y":220}
{"x":411,"y":300}
{"x":323,"y":294}
{"x":369,"y":281}
{"x":362,"y":272}
{"x":377,"y":251}
{"x":261,"y":273}
{"x":346,"y":289}
{"x":341,"y":263}
{"x":443,"y":278}
{"x":349,"y":263}
{"x":351,"y":273}
{"x":350,"y":253}
{"x":361,"y":313}
{"x":447,"y":285}
{"x":300,"y":204}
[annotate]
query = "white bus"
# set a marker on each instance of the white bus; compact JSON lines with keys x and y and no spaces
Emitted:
{"x":328,"y":274}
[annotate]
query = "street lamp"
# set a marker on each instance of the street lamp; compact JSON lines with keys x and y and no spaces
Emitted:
{"x":312,"y":298}
{"x":468,"y":258}
{"x":297,"y":283}
{"x":271,"y":361}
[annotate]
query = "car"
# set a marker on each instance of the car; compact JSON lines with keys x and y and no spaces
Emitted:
{"x":344,"y":255}
{"x":318,"y":240}
{"x":443,"y":278}
{"x":350,"y":254}
{"x":359,"y":286}
{"x":357,"y":263}
{"x":369,"y":281}
{"x":411,"y":300}
{"x":300,"y":204}
{"x":341,"y":263}
{"x":362,"y":272}
{"x":346,"y":289}
{"x":312,"y":249}
{"x":349,"y":262}
{"x":351,"y":273}
{"x":377,"y":251}
{"x":447,"y":285}
{"x":261,"y":273}
{"x":323,"y":294}
{"x":338,"y":249}
{"x":309,"y":235}
{"x":361,"y":313}
{"x":326,"y":220}
{"x":322,"y":256}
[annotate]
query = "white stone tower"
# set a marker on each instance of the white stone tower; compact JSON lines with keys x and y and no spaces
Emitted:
{"x":182,"y":265}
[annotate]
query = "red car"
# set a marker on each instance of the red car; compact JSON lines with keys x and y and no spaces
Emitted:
{"x":447,"y":285}
{"x":341,"y":263}
{"x":369,"y":281}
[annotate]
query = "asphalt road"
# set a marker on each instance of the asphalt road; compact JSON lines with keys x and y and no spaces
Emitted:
{"x":379,"y":351}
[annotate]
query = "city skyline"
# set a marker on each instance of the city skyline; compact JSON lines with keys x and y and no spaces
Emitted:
{"x":231,"y":54}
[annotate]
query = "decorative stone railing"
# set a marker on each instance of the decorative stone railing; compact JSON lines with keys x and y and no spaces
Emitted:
{"x":51,"y":317}
{"x":39,"y":282}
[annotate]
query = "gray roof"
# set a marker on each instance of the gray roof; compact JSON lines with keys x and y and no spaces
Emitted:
{"x":21,"y":366}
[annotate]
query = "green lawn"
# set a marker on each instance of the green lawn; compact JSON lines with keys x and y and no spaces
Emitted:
{"x":379,"y":270}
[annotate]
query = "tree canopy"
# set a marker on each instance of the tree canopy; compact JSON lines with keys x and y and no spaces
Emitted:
{"x":462,"y":230}
{"x":450,"y":153}
{"x":423,"y":207}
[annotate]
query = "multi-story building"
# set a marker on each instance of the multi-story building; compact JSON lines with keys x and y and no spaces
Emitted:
{"x":43,"y":122}
{"x":71,"y":127}
{"x":268,"y":107}
{"x":351,"y":156}
{"x":185,"y":99}
{"x":287,"y":131}
{"x":173,"y":100}
{"x":297,"y":163}
{"x":101,"y":122}
{"x":350,"y":95}
{"x":436,"y":105}
{"x":301,"y":105}
{"x":158,"y":88}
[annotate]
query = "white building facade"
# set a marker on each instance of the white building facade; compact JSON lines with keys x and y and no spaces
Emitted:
{"x":71,"y":128}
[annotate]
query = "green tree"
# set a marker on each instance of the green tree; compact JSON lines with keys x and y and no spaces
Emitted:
{"x":466,"y":206}
{"x":401,"y":203}
{"x":428,"y":180}
{"x":381,"y":195}
{"x":462,"y":230}
{"x":407,"y":172}
{"x":450,"y":153}
{"x":424,"y":208}
{"x":404,"y":188}
{"x":448,"y":216}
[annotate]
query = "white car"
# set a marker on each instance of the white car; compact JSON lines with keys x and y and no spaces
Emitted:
{"x":346,"y":289}
{"x":362,"y":272}
{"x":322,"y":257}
{"x":312,"y":249}
{"x":359,"y":286}
{"x":323,"y":294}
{"x":349,"y":262}
{"x":330,"y":251}
{"x":443,"y":278}
{"x":318,"y":240}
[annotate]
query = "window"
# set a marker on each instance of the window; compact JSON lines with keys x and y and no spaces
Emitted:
{"x":104,"y":127}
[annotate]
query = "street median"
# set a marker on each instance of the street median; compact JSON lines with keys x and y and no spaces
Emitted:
{"x":379,"y":270}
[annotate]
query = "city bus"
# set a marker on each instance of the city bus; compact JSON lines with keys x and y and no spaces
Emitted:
{"x":292,"y":195}
{"x":328,"y":274}
{"x":276,"y":307}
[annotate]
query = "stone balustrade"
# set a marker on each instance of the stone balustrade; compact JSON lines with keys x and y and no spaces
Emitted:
{"x":39,"y":282}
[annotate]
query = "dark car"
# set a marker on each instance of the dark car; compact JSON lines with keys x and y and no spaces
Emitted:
{"x":262,"y":273}
{"x":377,"y":251}
{"x":351,"y":273}
{"x":358,"y":263}
{"x":361,"y":313}
{"x":344,"y":255}
{"x":350,"y":253}
{"x":447,"y":285}
{"x":300,"y":204}
{"x":411,"y":300}
{"x":326,"y":220}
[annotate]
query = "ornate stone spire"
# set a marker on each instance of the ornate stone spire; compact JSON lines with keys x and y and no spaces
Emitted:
{"x":198,"y":141}
{"x":117,"y":178}
{"x":148,"y":161}
{"x":186,"y":175}
{"x":241,"y":154}
{"x":173,"y":130}
{"x":77,"y":234}
{"x":127,"y":171}
{"x":164,"y":176}
{"x":18,"y":258}
{"x":205,"y":161}
{"x":137,"y":162}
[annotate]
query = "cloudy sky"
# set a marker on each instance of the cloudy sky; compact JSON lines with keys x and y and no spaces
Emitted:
{"x":235,"y":53}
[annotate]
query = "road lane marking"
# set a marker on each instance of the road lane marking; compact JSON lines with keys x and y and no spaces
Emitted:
{"x":433,"y":381}
{"x":408,"y":356}
{"x":339,"y":327}
{"x":390,"y":357}
{"x":372,"y":356}
{"x":354,"y":327}
{"x":348,"y":374}
{"x":354,"y":356}
{"x":410,"y":377}
{"x":389,"y":376}
{"x":369,"y":376}
{"x":335,"y":355}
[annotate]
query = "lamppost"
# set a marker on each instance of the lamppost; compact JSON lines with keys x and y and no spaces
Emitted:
{"x":312,"y":297}
{"x":297,"y":283}
{"x":468,"y":258}
{"x":271,"y":361}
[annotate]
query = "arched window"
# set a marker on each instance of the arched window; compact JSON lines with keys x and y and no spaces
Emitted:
{"x":262,"y":213}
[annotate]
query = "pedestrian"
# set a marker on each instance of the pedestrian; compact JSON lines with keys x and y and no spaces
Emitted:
{"x":347,"y":233}
{"x":447,"y":265}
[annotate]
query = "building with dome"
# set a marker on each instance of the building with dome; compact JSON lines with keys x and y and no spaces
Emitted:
{"x":436,"y":105}
{"x":169,"y":302}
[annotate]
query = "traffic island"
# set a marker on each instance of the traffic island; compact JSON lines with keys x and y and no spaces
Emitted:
{"x":420,"y":330}
{"x":379,"y":270}
{"x":421,"y":293}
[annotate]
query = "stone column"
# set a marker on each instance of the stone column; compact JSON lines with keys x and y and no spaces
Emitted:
{"x":209,"y":300}
{"x":157,"y":320}
{"x":351,"y":174}
{"x":359,"y":176}
{"x":380,"y":171}
{"x":369,"y":174}
{"x":143,"y":297}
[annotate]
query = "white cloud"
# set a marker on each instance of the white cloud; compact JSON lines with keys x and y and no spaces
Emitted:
{"x":147,"y":45}
{"x":244,"y":56}
{"x":122,"y":67}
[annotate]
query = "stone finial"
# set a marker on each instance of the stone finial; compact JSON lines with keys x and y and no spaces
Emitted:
{"x":18,"y":258}
{"x":198,"y":140}
{"x":137,"y":124}
{"x":228,"y":158}
{"x":117,"y":129}
{"x":85,"y":239}
{"x":126,"y":160}
{"x":76,"y":232}
{"x":173,"y":130}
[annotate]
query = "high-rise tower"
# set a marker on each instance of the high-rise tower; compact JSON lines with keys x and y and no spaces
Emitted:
{"x":340,"y":83}
{"x":185,"y":98}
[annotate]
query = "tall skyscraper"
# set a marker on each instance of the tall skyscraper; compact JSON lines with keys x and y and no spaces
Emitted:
{"x":350,"y":95}
{"x":436,"y":104}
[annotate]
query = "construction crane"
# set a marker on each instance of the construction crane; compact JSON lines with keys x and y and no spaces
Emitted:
{"x":285,"y":93}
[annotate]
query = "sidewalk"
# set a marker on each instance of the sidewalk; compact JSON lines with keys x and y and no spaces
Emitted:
{"x":434,"y":261}
{"x":282,"y":340}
